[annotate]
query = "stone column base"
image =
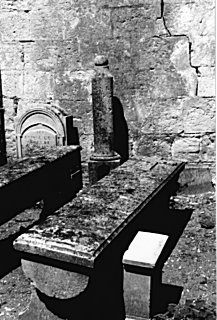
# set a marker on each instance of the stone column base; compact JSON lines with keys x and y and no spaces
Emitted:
{"x":100,"y":168}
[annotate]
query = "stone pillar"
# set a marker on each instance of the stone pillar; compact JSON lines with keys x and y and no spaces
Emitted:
{"x":104,"y":158}
{"x":3,"y":156}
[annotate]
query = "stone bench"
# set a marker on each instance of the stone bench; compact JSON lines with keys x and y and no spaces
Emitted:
{"x":53,"y":176}
{"x":74,"y":258}
{"x":142,"y":274}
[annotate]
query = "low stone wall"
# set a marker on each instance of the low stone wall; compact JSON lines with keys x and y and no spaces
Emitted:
{"x":161,"y":54}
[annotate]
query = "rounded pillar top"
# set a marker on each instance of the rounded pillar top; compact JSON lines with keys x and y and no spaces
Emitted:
{"x":101,"y":61}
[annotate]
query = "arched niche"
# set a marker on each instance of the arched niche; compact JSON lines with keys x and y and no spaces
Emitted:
{"x":42,"y":128}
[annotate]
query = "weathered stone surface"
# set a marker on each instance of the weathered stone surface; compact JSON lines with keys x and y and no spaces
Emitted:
{"x":139,"y":287}
{"x":172,"y":77}
{"x":208,"y":147}
{"x":12,"y":83}
{"x":11,"y":5}
{"x":55,"y":282}
{"x":38,"y":85}
{"x":177,"y":115}
{"x":133,"y":20}
{"x":90,"y":232}
{"x":156,"y":50}
{"x":198,"y":115}
{"x":203,"y":51}
{"x":104,"y":158}
{"x":15,"y":26}
{"x":186,"y":148}
{"x":189,"y":18}
{"x":10,"y":106}
{"x":11,"y":56}
{"x":181,"y":60}
{"x":80,"y":83}
{"x":85,"y":227}
{"x":206,"y":82}
{"x":150,"y":144}
{"x":44,"y":128}
{"x":102,"y":93}
{"x":44,"y":176}
{"x":171,"y":112}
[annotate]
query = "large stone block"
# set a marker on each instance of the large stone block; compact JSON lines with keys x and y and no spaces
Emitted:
{"x":164,"y":68}
{"x":159,"y":116}
{"x":46,"y":25}
{"x":41,"y":55}
{"x":198,"y":115}
{"x":80,"y":109}
{"x":15,"y":26}
{"x":207,"y":23}
{"x":189,"y":18}
{"x":203,"y":51}
{"x":11,"y":56}
{"x":208,"y":148}
{"x":38,"y":85}
{"x":12,"y":83}
{"x":186,"y":148}
{"x":10,"y":106}
{"x":206,"y":82}
{"x":52,"y":55}
{"x":180,"y":58}
{"x":75,"y":85}
{"x":53,"y":281}
{"x":142,"y":285}
{"x":150,"y":144}
{"x":51,"y":20}
{"x":189,"y":114}
{"x":133,"y":22}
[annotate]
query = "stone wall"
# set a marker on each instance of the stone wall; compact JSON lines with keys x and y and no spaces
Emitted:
{"x":161,"y":53}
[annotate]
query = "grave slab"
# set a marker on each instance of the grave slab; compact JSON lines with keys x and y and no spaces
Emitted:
{"x":47,"y":176}
{"x":90,"y":234}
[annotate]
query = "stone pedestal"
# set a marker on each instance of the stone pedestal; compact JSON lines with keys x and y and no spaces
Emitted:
{"x":98,"y":168}
{"x":65,"y":294}
{"x":142,"y":276}
{"x":104,"y":158}
{"x":55,"y":292}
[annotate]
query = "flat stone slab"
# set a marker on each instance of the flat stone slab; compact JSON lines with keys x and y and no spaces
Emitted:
{"x":84,"y":227}
{"x":145,"y":249}
{"x":17,"y":168}
{"x":38,"y":177}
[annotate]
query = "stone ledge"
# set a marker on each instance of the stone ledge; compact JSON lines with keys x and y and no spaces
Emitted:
{"x":83,"y":228}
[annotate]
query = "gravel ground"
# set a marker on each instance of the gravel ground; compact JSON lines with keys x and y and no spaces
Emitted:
{"x":192,"y":264}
